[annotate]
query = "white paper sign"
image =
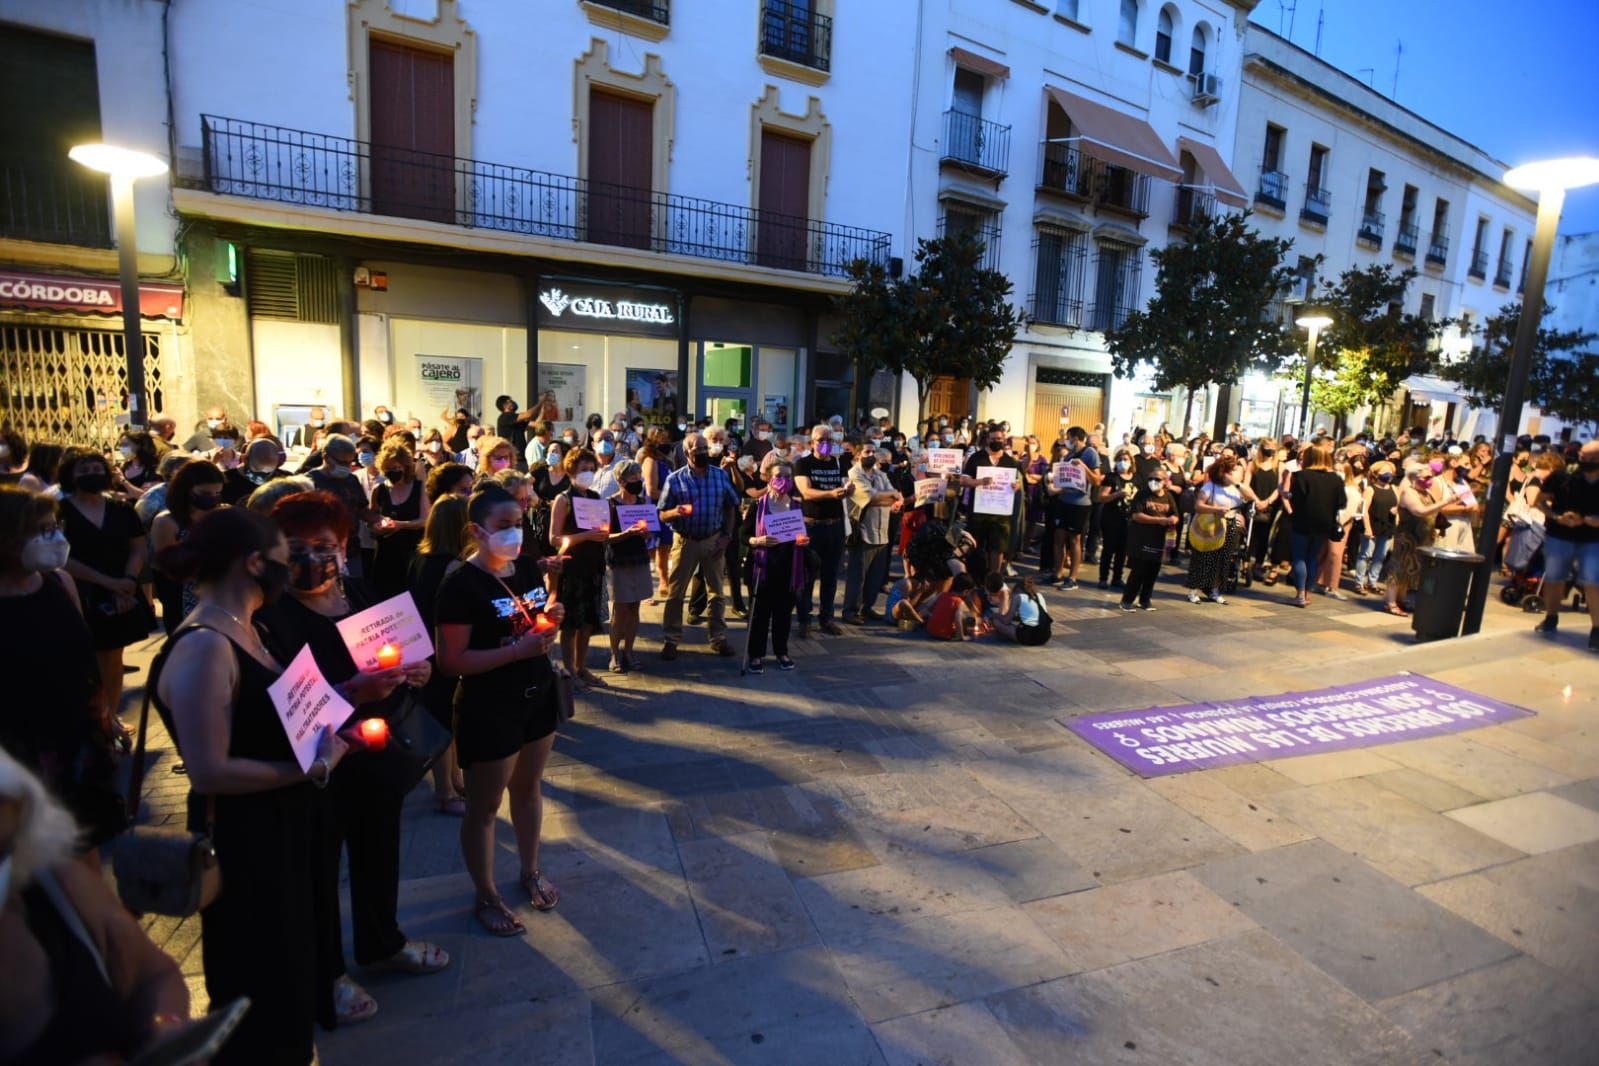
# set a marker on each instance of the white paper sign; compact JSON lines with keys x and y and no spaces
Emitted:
{"x":999,"y":498}
{"x":1069,"y":476}
{"x":629,"y":513}
{"x":930,"y":488}
{"x":307,"y":704}
{"x":394,"y":621}
{"x":785,"y":525}
{"x":590,"y":514}
{"x":944,"y":460}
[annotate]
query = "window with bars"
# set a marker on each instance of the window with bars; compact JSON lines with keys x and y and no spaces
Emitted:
{"x":70,"y":386}
{"x":1060,"y":263}
{"x":983,"y":225}
{"x":1117,"y":269}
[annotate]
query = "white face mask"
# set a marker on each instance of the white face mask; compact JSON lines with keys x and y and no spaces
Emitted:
{"x":507,"y":543}
{"x":715,"y":449}
{"x":584,"y":479}
{"x":435,"y":446}
{"x":763,"y":435}
{"x":125,"y":451}
{"x":1155,"y":486}
{"x":214,"y":423}
{"x":45,"y":553}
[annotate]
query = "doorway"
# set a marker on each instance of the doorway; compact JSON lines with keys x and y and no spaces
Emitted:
{"x":412,"y":131}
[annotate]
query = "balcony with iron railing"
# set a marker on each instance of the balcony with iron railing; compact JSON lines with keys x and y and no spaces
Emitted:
{"x":653,"y":10}
{"x":1193,"y":204}
{"x":1121,"y":189}
{"x":975,"y":143}
{"x":1407,"y":238}
{"x":797,"y":34}
{"x":1273,"y":189}
{"x":1066,"y":170}
{"x":1063,"y":169}
{"x":1479,"y":264}
{"x":1437,"y":249}
{"x":57,"y":204}
{"x":265,"y":162}
{"x":1318,"y":206}
{"x":1371,"y":227}
{"x":1502,"y":274}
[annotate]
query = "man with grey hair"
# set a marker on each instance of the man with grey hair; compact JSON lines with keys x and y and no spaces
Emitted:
{"x":336,"y":475}
{"x":871,"y":501}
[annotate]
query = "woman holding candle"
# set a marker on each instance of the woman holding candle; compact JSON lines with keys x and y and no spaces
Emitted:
{"x":583,"y":576}
{"x":628,"y":556}
{"x":363,"y":805}
{"x":403,"y":504}
{"x":505,"y":707}
{"x":777,"y":573}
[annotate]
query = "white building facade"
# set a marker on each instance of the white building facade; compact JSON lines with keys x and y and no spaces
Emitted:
{"x":1572,"y":299}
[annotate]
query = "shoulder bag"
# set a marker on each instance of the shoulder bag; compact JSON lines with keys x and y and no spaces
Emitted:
{"x":565,"y":705}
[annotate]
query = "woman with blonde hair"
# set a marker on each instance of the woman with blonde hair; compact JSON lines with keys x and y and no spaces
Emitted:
{"x":1420,"y":500}
{"x":1352,"y":509}
{"x":403,"y":503}
{"x":444,"y":541}
{"x":1315,"y":496}
{"x":493,"y":455}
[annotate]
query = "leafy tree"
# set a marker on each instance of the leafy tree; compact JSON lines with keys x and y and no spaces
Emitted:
{"x":1209,"y":319}
{"x":1348,"y":384}
{"x":951,"y":318}
{"x":1563,"y":378}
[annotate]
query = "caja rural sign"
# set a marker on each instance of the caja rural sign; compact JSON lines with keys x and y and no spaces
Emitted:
{"x":594,"y":307}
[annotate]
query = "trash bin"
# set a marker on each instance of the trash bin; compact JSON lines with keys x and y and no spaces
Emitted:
{"x":1441,"y":595}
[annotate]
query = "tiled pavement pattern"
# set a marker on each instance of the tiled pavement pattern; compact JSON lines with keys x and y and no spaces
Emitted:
{"x":894,"y":855}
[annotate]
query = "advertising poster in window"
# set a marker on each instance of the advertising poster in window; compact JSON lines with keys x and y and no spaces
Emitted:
{"x":652,"y":395}
{"x":775,"y":410}
{"x":450,"y":382}
{"x":563,"y":394}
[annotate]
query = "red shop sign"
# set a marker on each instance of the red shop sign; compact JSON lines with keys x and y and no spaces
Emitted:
{"x":56,"y":292}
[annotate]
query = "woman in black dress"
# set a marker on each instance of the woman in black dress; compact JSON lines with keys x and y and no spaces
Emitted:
{"x":1115,"y":496}
{"x":402,"y":502}
{"x":1315,"y":496}
{"x":583,"y":576}
{"x":505,"y":708}
{"x":1265,"y":476}
{"x":196,"y":488}
{"x":108,"y":551}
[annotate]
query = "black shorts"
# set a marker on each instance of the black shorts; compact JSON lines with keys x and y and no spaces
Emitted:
{"x":489,"y":733}
{"x":991,"y":531}
{"x":1073,"y":517}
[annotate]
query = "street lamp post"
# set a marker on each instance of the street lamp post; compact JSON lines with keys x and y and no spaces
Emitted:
{"x":1549,"y":180}
{"x":125,"y":166}
{"x":1313,"y":323}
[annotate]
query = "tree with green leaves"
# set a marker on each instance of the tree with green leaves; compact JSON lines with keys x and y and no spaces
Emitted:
{"x":1562,"y":380}
{"x":951,"y":318}
{"x":1348,"y":384}
{"x":1209,"y":321}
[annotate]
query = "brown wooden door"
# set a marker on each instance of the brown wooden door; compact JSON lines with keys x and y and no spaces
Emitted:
{"x":1058,"y":407}
{"x":785,"y":201}
{"x":413,"y":132}
{"x":949,"y":396}
{"x":621,"y":138}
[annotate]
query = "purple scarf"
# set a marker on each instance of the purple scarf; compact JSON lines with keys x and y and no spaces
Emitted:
{"x":796,"y":577}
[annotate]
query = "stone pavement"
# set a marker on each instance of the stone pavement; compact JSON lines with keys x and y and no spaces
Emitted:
{"x":895,"y":855}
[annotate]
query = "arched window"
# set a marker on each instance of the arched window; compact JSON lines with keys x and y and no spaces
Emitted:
{"x":1163,"y":32}
{"x":1196,"y":54}
{"x":1127,"y":33}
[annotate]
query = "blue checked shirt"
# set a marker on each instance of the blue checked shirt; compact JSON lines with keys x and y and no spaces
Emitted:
{"x":709,"y":495}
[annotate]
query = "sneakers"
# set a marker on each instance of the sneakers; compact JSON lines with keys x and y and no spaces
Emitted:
{"x":755,"y":666}
{"x":1127,"y":608}
{"x":1193,"y":595}
{"x":785,"y":663}
{"x":1104,"y":584}
{"x":1146,"y":606}
{"x":831,"y":629}
{"x":1068,"y":584}
{"x":1549,"y":626}
{"x":1217,"y":597}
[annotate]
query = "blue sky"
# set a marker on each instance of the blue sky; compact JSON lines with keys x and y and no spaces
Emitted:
{"x":1517,"y":78}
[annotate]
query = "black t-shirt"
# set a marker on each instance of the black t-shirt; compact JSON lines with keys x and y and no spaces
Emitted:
{"x":983,"y":458}
{"x":825,"y":474}
{"x":510,"y":426}
{"x":1317,"y":496}
{"x":1566,"y":491}
{"x":1145,"y":540}
{"x":1122,"y":490}
{"x":471,"y":597}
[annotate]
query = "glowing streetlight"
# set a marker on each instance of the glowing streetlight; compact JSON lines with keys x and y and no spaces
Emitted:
{"x":1549,"y":179}
{"x":125,"y":166}
{"x":1313,"y":323}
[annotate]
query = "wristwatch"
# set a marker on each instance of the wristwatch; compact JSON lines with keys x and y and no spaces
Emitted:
{"x":327,"y":772}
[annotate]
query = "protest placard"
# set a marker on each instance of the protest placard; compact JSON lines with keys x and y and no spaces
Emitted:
{"x":395,"y":621}
{"x":307,"y":704}
{"x":944,"y":460}
{"x":627,"y":514}
{"x":1069,"y":476}
{"x":785,"y":525}
{"x":929,"y":488}
{"x":590,"y":514}
{"x":998,"y":497}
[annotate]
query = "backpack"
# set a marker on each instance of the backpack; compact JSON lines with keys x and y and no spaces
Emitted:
{"x":1040,"y":633}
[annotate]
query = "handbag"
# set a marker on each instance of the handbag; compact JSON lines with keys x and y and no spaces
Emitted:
{"x":1207,"y":532}
{"x":561,"y":691}
{"x":173,"y":872}
{"x":416,"y":741}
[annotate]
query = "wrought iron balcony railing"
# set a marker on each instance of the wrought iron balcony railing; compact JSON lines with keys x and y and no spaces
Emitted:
{"x":1066,"y":170}
{"x":797,"y":34}
{"x":1318,"y":205}
{"x":1193,"y":204}
{"x":1371,"y":227}
{"x":58,"y":204}
{"x":1437,"y":249}
{"x":976,"y":142}
{"x":1122,"y":188}
{"x":292,"y":166}
{"x":1273,"y":189}
{"x":654,"y":10}
{"x":1479,"y":264}
{"x":1407,"y":238}
{"x":1502,"y":274}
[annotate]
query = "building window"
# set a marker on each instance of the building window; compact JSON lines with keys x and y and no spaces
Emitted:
{"x":1127,"y":28}
{"x":1163,"y":34}
{"x":1061,"y":259}
{"x":794,"y":31}
{"x":1409,"y":234}
{"x":1371,"y":216}
{"x":1526,"y":257}
{"x":1502,"y":271}
{"x":975,"y":222}
{"x":1429,"y":306}
{"x":1196,"y":52}
{"x":1479,"y":254}
{"x":1318,"y":200}
{"x":1438,"y":240}
{"x":1066,"y":9}
{"x":1116,"y":280}
{"x":1273,"y":189}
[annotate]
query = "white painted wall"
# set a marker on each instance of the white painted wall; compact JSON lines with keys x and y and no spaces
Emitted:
{"x":296,"y":363}
{"x":1572,"y":295}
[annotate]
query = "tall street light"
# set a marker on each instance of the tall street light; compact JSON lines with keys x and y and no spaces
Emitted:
{"x":1313,"y":323}
{"x":1549,"y":180}
{"x":125,"y":166}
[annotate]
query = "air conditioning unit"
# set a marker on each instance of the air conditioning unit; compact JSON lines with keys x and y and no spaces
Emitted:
{"x":1207,"y":89}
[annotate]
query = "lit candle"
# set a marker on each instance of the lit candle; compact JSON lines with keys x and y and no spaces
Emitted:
{"x":802,"y":540}
{"x":641,"y":525}
{"x":388,"y":657}
{"x":543,"y":623}
{"x":687,"y":508}
{"x":375,"y":733}
{"x":605,"y":527}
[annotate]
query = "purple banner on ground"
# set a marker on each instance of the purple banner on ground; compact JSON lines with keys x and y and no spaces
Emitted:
{"x":1201,"y":736}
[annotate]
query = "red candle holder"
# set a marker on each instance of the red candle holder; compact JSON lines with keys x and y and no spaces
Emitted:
{"x":388,"y":657}
{"x":374,"y":733}
{"x":543,"y":623}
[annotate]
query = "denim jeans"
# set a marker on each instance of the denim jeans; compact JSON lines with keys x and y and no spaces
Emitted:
{"x":1307,"y":549}
{"x":1373,"y":553}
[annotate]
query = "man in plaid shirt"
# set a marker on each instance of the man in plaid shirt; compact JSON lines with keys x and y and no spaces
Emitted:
{"x":701,"y":506}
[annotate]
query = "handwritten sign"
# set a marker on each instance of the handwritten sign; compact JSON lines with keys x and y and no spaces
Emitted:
{"x":929,"y":488}
{"x":785,"y":525}
{"x":999,"y":496}
{"x":590,"y":514}
{"x":1069,"y":477}
{"x":395,"y":621}
{"x":629,"y":513}
{"x":307,"y":704}
{"x":944,"y":460}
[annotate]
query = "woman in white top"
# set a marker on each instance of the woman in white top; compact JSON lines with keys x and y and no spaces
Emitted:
{"x":1462,"y":508}
{"x":1332,"y":557}
{"x":1221,"y":493}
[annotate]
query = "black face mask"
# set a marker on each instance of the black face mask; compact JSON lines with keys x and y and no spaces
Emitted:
{"x":868,"y":461}
{"x":700,"y":459}
{"x":272,"y":580}
{"x":310,"y":571}
{"x":996,"y":445}
{"x":1590,"y":467}
{"x":94,"y":482}
{"x":633,"y":488}
{"x":204,"y":502}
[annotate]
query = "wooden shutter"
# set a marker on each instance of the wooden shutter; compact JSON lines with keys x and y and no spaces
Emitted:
{"x":412,"y":119}
{"x":785,"y":198}
{"x":949,"y":396}
{"x":621,"y":167}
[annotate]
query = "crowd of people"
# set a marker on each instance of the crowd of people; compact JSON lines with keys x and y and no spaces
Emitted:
{"x":522,"y":543}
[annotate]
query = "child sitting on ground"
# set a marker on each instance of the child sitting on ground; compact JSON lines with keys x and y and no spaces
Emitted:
{"x":996,"y":606}
{"x":954,"y":613}
{"x":903,"y":599}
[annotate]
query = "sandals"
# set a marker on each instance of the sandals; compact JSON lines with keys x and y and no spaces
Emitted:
{"x":1301,"y":601}
{"x":351,"y":1002}
{"x":589,"y":678}
{"x":454,"y":806}
{"x":497,"y":918}
{"x":1396,"y":610}
{"x":543,"y":894}
{"x":418,"y":956}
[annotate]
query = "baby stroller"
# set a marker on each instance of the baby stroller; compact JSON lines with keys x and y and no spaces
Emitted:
{"x":1238,"y":572}
{"x":1524,"y":559}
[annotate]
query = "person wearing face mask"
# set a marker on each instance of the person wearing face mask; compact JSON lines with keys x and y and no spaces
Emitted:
{"x":1464,"y":507}
{"x":262,"y":463}
{"x":775,"y":573}
{"x":455,"y":426}
{"x":627,"y":560}
{"x":444,"y":542}
{"x":1152,"y":515}
{"x":195,"y":489}
{"x":1420,"y":500}
{"x":1381,"y":508}
{"x":1220,"y":495}
{"x":1115,"y":495}
{"x":1264,"y":477}
{"x":489,"y":636}
{"x":136,"y":464}
{"x":606,"y":455}
{"x":1315,"y":496}
{"x":512,"y":423}
{"x":1352,"y":522}
{"x":337,"y":475}
{"x":368,"y":477}
{"x":821,"y":478}
{"x":108,"y":555}
{"x":1070,"y":506}
{"x":702,"y":507}
{"x":263,"y":936}
{"x":1569,"y":500}
{"x":362,"y":807}
{"x":761,"y":441}
{"x":655,"y":462}
{"x":582,"y":581}
{"x":403,"y":505}
{"x":200,"y":440}
{"x":723,"y":447}
{"x":49,"y":662}
{"x":872,"y":500}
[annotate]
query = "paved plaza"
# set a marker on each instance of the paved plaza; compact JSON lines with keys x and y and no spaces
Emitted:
{"x":895,"y":854}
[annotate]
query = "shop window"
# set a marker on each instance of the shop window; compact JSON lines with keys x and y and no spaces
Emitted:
{"x":71,"y":384}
